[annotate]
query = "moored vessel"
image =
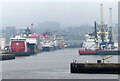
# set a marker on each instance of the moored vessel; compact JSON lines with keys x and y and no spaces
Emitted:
{"x":18,"y":46}
{"x":60,"y":43}
{"x":100,"y":41}
{"x":33,"y":41}
{"x":47,"y":42}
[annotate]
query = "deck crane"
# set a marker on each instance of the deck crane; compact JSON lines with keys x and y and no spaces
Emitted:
{"x":110,"y":32}
{"x":102,"y":30}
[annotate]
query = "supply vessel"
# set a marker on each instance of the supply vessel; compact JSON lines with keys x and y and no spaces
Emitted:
{"x":47,"y":41}
{"x":100,"y":41}
{"x":18,"y":46}
{"x":25,"y":44}
{"x":33,"y":41}
{"x":59,"y":43}
{"x":51,"y":42}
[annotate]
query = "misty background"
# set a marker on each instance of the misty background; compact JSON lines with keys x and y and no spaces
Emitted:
{"x":70,"y":19}
{"x":22,"y":14}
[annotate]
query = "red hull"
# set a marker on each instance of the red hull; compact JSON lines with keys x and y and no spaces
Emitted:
{"x":61,"y":46}
{"x":87,"y":52}
{"x":17,"y":46}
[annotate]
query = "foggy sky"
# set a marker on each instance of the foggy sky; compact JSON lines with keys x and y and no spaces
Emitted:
{"x":22,"y":14}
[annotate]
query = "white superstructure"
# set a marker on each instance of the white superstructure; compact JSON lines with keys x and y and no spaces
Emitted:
{"x":89,"y":42}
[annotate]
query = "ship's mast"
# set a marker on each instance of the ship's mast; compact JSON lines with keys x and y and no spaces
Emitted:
{"x":95,"y":30}
{"x":32,"y":27}
{"x":96,"y":38}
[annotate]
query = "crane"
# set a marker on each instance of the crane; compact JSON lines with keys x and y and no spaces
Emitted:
{"x":102,"y":30}
{"x":110,"y":32}
{"x":106,"y":58}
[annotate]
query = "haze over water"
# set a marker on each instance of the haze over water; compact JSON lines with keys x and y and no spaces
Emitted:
{"x":52,"y":65}
{"x":55,"y":64}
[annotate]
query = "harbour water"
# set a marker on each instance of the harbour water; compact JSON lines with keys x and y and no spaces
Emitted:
{"x":52,"y":65}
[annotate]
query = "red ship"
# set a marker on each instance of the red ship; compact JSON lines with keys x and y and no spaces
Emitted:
{"x":18,"y":46}
{"x":99,"y":52}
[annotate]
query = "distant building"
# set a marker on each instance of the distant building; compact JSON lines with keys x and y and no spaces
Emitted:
{"x":8,"y":32}
{"x":2,"y":43}
{"x":20,"y":30}
{"x":48,"y":26}
{"x":79,"y":30}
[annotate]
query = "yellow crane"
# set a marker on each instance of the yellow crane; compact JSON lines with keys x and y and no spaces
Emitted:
{"x":106,"y":58}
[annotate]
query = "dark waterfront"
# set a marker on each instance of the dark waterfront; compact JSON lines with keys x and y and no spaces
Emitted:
{"x":51,"y":65}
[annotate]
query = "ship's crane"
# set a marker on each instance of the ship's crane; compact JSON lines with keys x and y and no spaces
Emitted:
{"x":110,"y":32}
{"x":102,"y":30}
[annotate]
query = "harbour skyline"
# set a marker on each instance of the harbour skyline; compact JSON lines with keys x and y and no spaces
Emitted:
{"x":22,"y":14}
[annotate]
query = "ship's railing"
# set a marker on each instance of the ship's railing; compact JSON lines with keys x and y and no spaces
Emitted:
{"x":18,"y":39}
